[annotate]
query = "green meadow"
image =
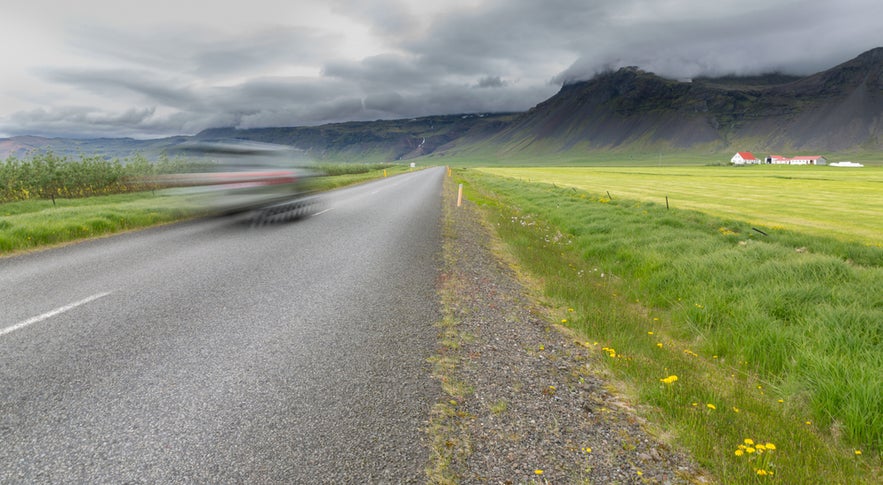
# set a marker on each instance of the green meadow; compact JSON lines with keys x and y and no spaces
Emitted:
{"x":36,"y":223}
{"x":826,"y":201}
{"x":750,"y":308}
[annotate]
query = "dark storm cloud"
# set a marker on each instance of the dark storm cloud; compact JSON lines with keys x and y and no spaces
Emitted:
{"x":796,"y":37}
{"x":454,"y":58}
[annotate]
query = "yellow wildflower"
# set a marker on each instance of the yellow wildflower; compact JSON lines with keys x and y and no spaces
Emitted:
{"x":538,"y":471}
{"x":711,"y":406}
{"x":739,"y":452}
{"x":669,"y":379}
{"x":761,"y":472}
{"x":770,"y":446}
{"x":748,"y":441}
{"x":858,"y":452}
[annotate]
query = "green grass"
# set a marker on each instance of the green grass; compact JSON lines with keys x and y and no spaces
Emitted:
{"x":38,"y":223}
{"x":34,"y":224}
{"x":773,"y":331}
{"x":826,"y":201}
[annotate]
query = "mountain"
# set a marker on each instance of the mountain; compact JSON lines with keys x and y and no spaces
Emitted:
{"x":630,"y":109}
{"x":382,"y":140}
{"x":627,"y":110}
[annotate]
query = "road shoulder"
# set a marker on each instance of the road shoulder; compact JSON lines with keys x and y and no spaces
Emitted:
{"x":525,"y":400}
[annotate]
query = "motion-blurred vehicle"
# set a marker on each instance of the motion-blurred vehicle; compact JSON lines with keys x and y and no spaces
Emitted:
{"x":241,"y":176}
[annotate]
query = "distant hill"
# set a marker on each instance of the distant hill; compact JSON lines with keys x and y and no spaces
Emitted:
{"x":627,"y":110}
{"x":835,"y":110}
{"x":382,"y":140}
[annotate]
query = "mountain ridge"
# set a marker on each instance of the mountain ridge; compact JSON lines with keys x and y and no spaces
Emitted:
{"x":628,"y":109}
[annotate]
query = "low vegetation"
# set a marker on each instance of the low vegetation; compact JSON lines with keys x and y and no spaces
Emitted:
{"x":724,"y":336}
{"x":50,"y":204}
{"x":822,"y":201}
{"x":50,"y":176}
{"x":33,"y":224}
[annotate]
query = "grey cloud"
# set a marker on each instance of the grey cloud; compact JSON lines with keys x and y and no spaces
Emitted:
{"x":519,"y":51}
{"x":383,"y":71}
{"x":106,"y":82}
{"x":491,"y":82}
{"x":792,"y":37}
{"x":70,"y":121}
{"x":203,"y":52}
{"x":388,"y":18}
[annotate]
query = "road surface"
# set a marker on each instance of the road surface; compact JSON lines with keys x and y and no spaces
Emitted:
{"x":216,"y":352}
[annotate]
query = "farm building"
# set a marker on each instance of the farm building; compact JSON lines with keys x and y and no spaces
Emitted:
{"x":744,"y":158}
{"x":801,"y":160}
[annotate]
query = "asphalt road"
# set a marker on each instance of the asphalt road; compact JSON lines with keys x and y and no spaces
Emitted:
{"x":216,"y":352}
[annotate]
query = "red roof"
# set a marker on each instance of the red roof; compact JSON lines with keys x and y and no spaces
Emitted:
{"x":747,"y":156}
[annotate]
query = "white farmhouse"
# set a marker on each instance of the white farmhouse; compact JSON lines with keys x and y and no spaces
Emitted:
{"x":744,"y":158}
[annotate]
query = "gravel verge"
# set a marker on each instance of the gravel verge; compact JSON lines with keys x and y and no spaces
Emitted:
{"x":526,"y":401}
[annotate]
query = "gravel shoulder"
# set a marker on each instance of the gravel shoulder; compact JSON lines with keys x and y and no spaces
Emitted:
{"x":526,"y":401}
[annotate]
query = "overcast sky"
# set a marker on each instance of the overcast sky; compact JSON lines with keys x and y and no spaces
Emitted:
{"x":102,"y":68}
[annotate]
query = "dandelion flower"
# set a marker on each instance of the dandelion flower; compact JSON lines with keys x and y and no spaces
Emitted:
{"x":781,"y":401}
{"x":750,"y":450}
{"x":649,"y":333}
{"x":659,"y":345}
{"x":669,"y":379}
{"x":538,"y":471}
{"x":563,"y":320}
{"x":770,"y":446}
{"x":761,"y":472}
{"x":735,"y":409}
{"x":748,"y":441}
{"x":587,"y":450}
{"x":858,"y":452}
{"x":739,"y":452}
{"x":711,"y":406}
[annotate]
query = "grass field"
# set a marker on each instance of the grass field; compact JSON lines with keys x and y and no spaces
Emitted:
{"x":34,"y":224}
{"x":845,"y":203}
{"x":775,"y":338}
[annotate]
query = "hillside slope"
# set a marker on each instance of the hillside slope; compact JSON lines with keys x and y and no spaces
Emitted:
{"x":835,"y":110}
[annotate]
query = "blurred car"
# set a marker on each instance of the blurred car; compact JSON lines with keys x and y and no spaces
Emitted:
{"x":240,"y":176}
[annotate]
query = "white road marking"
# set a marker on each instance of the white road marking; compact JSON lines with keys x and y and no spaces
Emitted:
{"x":40,"y":318}
{"x":322,"y":212}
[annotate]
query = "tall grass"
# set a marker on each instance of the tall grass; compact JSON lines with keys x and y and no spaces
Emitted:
{"x":773,"y":332}
{"x":45,"y":175}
